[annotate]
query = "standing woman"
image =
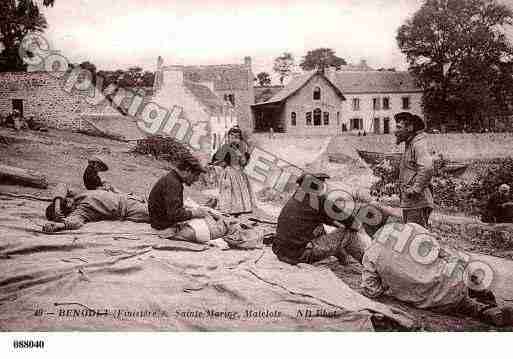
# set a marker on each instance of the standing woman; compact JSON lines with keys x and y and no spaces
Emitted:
{"x":235,"y":195}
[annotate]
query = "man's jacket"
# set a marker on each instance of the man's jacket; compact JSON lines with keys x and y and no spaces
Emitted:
{"x":415,"y":172}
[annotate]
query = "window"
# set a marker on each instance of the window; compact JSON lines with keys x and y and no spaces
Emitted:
{"x":293,"y":118}
{"x":356,"y":104}
{"x":326,"y":118}
{"x":386,"y":125}
{"x":230,"y":98}
{"x":338,"y":118}
{"x":406,"y":103}
{"x":317,"y":117}
{"x":376,"y":104}
{"x":317,"y":93}
{"x":386,"y":103}
{"x":309,"y":119}
{"x":355,"y":124}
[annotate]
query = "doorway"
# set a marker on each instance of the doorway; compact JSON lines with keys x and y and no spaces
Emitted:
{"x":17,"y":104}
{"x":386,"y":125}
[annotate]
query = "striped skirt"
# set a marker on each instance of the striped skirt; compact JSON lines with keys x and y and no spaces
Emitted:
{"x":235,"y":195}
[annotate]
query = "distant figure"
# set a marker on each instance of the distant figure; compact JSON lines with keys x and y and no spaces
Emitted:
{"x":271,"y":132}
{"x":497,"y":210}
{"x":235,"y":194}
{"x":17,"y":121}
{"x":415,"y":170}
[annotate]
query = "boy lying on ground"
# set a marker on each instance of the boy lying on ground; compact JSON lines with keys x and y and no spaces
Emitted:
{"x":72,"y":210}
{"x":406,"y":262}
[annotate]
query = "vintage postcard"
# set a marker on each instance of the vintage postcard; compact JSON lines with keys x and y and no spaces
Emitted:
{"x":256,"y":166}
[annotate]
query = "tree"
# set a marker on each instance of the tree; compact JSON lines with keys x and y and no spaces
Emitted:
{"x":17,"y":19}
{"x":283,"y":65}
{"x":320,"y":59}
{"x":264,"y":79}
{"x":460,"y":56}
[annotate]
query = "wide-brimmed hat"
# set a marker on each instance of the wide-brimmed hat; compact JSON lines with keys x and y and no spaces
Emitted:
{"x":96,"y":159}
{"x":417,"y":121}
{"x":319,"y":175}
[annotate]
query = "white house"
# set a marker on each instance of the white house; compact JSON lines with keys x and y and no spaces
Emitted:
{"x":317,"y":103}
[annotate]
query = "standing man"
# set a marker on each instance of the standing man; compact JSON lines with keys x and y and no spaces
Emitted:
{"x":415,"y":170}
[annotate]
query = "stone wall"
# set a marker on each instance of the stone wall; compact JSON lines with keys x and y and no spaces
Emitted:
{"x":44,"y":98}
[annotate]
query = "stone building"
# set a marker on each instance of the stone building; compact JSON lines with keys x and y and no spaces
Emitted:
{"x":334,"y":102}
{"x":44,"y":96}
{"x":199,"y":103}
{"x":232,"y":83}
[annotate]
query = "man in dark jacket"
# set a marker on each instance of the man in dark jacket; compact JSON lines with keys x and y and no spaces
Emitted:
{"x":300,"y":233}
{"x":415,"y":170}
{"x":165,"y":203}
{"x":498,"y":207}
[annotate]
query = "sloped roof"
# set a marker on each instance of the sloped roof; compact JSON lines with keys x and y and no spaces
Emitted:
{"x":225,"y":77}
{"x":295,"y":85}
{"x":264,"y":93}
{"x":204,"y":95}
{"x":375,"y":82}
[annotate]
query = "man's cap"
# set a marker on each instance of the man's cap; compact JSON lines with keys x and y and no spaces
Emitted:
{"x":99,"y":160}
{"x":235,"y":130}
{"x":408,"y":117}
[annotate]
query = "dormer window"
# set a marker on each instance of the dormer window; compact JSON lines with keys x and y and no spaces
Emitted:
{"x":317,"y":93}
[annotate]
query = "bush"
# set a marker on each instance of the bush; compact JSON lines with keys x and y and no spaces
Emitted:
{"x":451,"y":193}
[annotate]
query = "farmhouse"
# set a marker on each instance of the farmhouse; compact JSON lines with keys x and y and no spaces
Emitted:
{"x":231,"y":82}
{"x":199,"y":103}
{"x":43,"y":95}
{"x":333,"y":102}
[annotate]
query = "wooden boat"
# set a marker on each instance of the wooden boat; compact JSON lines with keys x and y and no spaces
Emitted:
{"x":22,"y":176}
{"x":455,"y":168}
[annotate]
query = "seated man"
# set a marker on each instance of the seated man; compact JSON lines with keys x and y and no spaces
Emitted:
{"x":406,"y":262}
{"x":166,"y":205}
{"x":91,"y":178}
{"x":498,"y":207}
{"x":73,"y":210}
{"x":300,"y":236}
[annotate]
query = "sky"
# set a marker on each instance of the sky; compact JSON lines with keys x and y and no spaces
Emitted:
{"x":122,"y":33}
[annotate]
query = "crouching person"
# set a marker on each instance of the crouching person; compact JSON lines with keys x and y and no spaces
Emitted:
{"x":406,"y":262}
{"x":168,"y":215}
{"x":300,"y":235}
{"x":71,"y":210}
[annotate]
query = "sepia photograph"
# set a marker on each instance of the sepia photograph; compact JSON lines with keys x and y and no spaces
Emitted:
{"x":255,"y":166}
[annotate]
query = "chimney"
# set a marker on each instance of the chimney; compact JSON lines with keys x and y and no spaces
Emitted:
{"x":247,"y":61}
{"x":160,"y":62}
